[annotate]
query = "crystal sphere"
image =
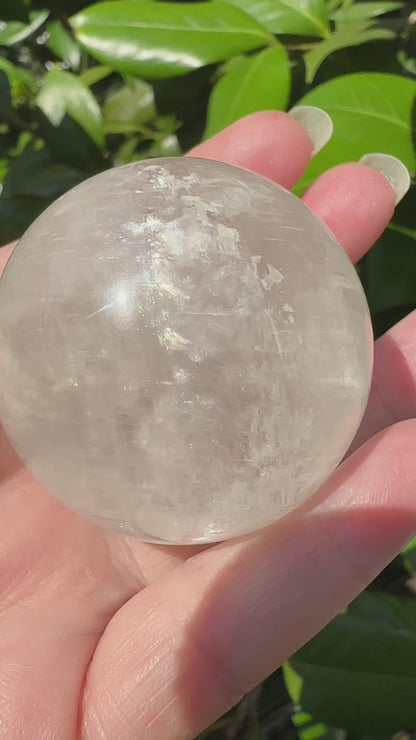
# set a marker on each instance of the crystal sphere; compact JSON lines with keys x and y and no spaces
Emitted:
{"x":186,"y":350}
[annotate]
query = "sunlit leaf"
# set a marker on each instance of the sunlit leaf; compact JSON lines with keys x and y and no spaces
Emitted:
{"x":167,"y":146}
{"x":63,"y":44}
{"x":95,"y":74}
{"x":372,"y":112}
{"x":14,"y":32}
{"x":309,"y":729}
{"x":22,"y":83}
{"x":292,"y":17}
{"x":351,"y":35}
{"x":63,"y":93}
{"x":157,"y":40}
{"x":133,"y":104}
{"x":256,"y":83}
{"x":364,"y":11}
{"x":333,"y":4}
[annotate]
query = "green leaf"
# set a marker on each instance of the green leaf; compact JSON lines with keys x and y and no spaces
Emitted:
{"x":291,"y":17}
{"x":364,"y":11}
{"x":359,"y":672}
{"x":15,"y":31}
{"x":259,"y":82}
{"x":407,"y":61}
{"x":33,"y":180}
{"x":22,"y":83}
{"x":409,"y":555}
{"x":63,"y":93}
{"x":95,"y":74}
{"x":391,"y":269}
{"x":167,"y":146}
{"x":4,"y":166}
{"x":16,"y":10}
{"x":35,"y":173}
{"x":16,"y":215}
{"x":63,"y":44}
{"x":308,"y":729}
{"x":334,"y":4}
{"x":24,"y":139}
{"x":70,"y":144}
{"x":132,"y":105}
{"x":351,"y":35}
{"x":159,"y":40}
{"x":371,"y":112}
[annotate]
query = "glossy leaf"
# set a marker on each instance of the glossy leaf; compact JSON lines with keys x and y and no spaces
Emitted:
{"x":63,"y":44}
{"x":292,"y":17}
{"x":371,"y":112}
{"x":63,"y":93}
{"x":364,"y":11}
{"x":351,"y":35}
{"x":14,"y":32}
{"x":359,"y":672}
{"x":158,"y":40}
{"x":259,"y":82}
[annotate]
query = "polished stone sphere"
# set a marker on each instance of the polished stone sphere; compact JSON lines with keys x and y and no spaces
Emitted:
{"x":185,"y":352}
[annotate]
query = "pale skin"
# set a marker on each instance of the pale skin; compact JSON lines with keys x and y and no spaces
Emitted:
{"x":103,"y":636}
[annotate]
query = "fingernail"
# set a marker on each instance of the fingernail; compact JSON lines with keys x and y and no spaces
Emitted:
{"x":316,"y":123}
{"x":393,"y":169}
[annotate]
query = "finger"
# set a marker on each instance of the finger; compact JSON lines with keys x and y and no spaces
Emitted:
{"x":356,"y":202}
{"x":5,"y":253}
{"x":393,"y":389}
{"x":271,"y":143}
{"x":184,"y":650}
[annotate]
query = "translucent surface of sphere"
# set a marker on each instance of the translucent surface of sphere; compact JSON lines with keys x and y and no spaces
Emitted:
{"x":185,"y":352}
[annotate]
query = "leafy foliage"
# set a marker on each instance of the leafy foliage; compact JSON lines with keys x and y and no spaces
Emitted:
{"x":371,"y":111}
{"x":251,"y":83}
{"x":359,"y":673}
{"x":159,"y":40}
{"x":87,"y":85}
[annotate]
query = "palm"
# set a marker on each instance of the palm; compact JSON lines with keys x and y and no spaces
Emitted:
{"x":104,"y":636}
{"x":63,"y":579}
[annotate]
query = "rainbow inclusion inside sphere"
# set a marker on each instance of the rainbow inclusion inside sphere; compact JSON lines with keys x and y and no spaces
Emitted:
{"x":186,"y":352}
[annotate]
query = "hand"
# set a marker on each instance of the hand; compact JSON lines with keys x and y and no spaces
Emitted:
{"x":103,"y":636}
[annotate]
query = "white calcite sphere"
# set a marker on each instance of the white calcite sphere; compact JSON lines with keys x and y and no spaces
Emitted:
{"x":185,"y":351}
